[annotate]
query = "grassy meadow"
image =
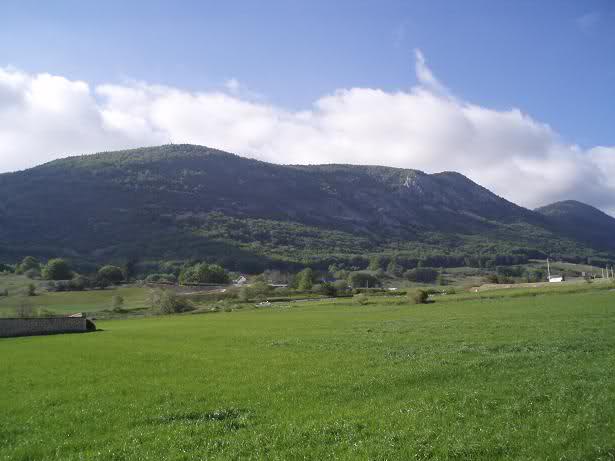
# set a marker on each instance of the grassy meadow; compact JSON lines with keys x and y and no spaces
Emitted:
{"x":64,"y":302}
{"x":528,"y":377}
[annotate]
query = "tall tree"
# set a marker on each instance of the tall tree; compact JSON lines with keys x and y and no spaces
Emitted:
{"x":305,"y":279}
{"x":111,"y":274}
{"x":57,"y":269}
{"x":28,"y":263}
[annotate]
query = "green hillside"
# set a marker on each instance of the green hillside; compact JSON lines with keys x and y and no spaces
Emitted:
{"x":581,"y":222}
{"x":180,"y":202}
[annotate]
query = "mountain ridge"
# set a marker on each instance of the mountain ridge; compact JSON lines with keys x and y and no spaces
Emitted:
{"x":186,"y":201}
{"x":581,"y":221}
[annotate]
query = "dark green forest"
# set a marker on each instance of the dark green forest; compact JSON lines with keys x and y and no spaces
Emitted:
{"x":191,"y":203}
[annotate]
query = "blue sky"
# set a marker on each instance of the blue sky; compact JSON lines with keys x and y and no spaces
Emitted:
{"x":517,"y":95}
{"x":553,"y":59}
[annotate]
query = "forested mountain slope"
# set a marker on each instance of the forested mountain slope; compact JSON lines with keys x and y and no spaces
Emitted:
{"x":581,"y":222}
{"x":192,"y":202}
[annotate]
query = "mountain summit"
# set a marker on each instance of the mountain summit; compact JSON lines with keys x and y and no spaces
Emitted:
{"x":581,"y":222}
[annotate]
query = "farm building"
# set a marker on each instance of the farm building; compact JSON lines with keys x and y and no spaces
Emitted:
{"x":553,"y":278}
{"x":35,"y":326}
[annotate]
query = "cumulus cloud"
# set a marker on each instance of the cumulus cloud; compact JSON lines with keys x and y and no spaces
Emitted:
{"x":43,"y":117}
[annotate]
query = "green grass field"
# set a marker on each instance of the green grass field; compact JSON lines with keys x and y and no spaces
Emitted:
{"x":71,"y":302}
{"x":65,"y":302}
{"x":506,"y":378}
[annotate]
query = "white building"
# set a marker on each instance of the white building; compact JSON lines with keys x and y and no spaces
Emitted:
{"x":553,"y":278}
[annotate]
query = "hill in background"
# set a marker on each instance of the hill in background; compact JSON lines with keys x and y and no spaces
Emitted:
{"x":581,"y":222}
{"x":181,"y":202}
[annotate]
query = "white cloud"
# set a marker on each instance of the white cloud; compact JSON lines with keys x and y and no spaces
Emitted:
{"x":43,"y":117}
{"x":426,"y":77}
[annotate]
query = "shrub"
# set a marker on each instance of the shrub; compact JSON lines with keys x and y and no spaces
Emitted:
{"x":169,"y":302}
{"x":341,"y":286}
{"x":78,"y":283}
{"x":62,"y":285}
{"x":419,"y":296}
{"x":31,"y":289}
{"x":100,"y":283}
{"x":398,"y":293}
{"x":259,"y":291}
{"x":4,"y":292}
{"x":161,"y":278}
{"x":281,"y":291}
{"x":5,"y":268}
{"x":28,"y":263}
{"x":203,"y":273}
{"x":361,"y":299}
{"x":32,"y":273}
{"x":501,"y":279}
{"x":327,"y":289}
{"x":117,"y":303}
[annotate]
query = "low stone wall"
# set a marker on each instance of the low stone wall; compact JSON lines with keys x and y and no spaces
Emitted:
{"x":44,"y":326}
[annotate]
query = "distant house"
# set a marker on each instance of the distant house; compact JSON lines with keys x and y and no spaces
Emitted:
{"x":553,"y":278}
{"x":240,"y":281}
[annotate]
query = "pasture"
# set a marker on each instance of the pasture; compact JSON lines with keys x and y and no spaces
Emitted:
{"x":528,"y":377}
{"x":75,"y":301}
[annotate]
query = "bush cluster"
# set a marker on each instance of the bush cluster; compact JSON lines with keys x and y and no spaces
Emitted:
{"x":6,"y":268}
{"x":161,"y":278}
{"x":169,"y":301}
{"x":419,"y":296}
{"x":57,"y":269}
{"x":203,"y":273}
{"x":361,"y":299}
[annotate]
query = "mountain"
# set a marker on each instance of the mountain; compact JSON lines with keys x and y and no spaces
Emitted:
{"x":179,"y":202}
{"x":581,"y":222}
